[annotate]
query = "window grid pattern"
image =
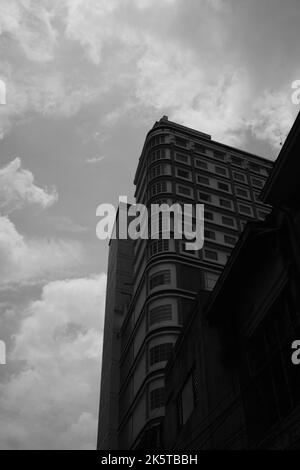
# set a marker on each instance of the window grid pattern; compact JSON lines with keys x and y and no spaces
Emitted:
{"x":160,"y":353}
{"x":157,"y":398}
{"x":161,"y":278}
{"x":160,"y":314}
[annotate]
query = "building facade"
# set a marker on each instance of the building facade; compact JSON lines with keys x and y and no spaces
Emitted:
{"x":177,"y":165}
{"x":231,"y":382}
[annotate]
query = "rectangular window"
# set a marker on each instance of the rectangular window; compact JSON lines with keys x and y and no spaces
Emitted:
{"x":160,"y":278}
{"x":226,"y":203}
{"x":158,"y":155}
{"x":181,"y":142}
{"x":199,"y":148}
{"x":220,"y":170}
{"x":159,"y":246}
{"x":254,"y":167}
{"x":200,"y":164}
{"x":204,"y":197}
{"x":160,"y":353}
{"x":245,"y":209}
{"x":241,"y":192}
{"x":157,"y":398}
{"x":219,"y":155}
{"x":184,"y":190}
{"x":182,"y":158}
{"x":229,"y":240}
{"x":209,"y":234}
{"x":228,"y":221}
{"x":183,"y":173}
{"x":157,"y":140}
{"x":211,"y":255}
{"x":257,"y":182}
{"x":203,"y":180}
{"x":160,"y":314}
{"x":239,"y":176}
{"x":208,"y":215}
{"x":158,"y":170}
{"x":159,"y":188}
{"x":223,"y":186}
{"x":236,"y":160}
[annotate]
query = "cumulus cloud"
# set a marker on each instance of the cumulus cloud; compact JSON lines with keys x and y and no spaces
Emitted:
{"x":26,"y":260}
{"x":52,"y":402}
{"x":29,"y":24}
{"x":17,"y":188}
{"x":273,"y":117}
{"x":168,"y":59}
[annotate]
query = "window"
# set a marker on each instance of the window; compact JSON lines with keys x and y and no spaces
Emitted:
{"x":245,"y":209}
{"x":228,"y":221}
{"x":208,"y":215}
{"x":159,"y":246}
{"x":220,"y":170}
{"x":184,"y":190}
{"x":158,"y":171}
{"x":209,"y":234}
{"x":183,"y":173}
{"x":242,"y":192}
{"x":201,"y":164}
{"x":229,"y":240}
{"x":182,"y":158}
{"x":203,"y":180}
{"x":181,"y":142}
{"x":157,"y":398}
{"x":157,"y":155}
{"x":161,"y":314}
{"x":160,"y":278}
{"x":157,"y":140}
{"x":160,"y":353}
{"x":186,"y":401}
{"x":239,"y":176}
{"x":226,"y":203}
{"x":210,"y":280}
{"x":223,"y":186}
{"x":159,"y":188}
{"x":254,"y":167}
{"x":257,"y":182}
{"x":199,"y":148}
{"x":219,"y":155}
{"x":204,"y":197}
{"x":211,"y":255}
{"x":236,"y":160}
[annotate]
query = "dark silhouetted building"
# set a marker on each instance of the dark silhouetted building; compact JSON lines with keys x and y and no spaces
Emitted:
{"x":162,"y":279}
{"x":231,"y":383}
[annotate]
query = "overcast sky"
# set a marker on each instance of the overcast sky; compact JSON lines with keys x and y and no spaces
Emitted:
{"x":86,"y":79}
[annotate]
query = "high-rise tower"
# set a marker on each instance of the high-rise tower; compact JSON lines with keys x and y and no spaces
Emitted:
{"x":177,"y":165}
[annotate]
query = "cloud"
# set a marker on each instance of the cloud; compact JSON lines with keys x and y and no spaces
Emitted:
{"x":17,"y":188}
{"x":25,"y":260}
{"x":95,"y":159}
{"x":29,"y":24}
{"x":65,"y":224}
{"x":52,"y":402}
{"x":198,"y":62}
{"x":274,"y":114}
